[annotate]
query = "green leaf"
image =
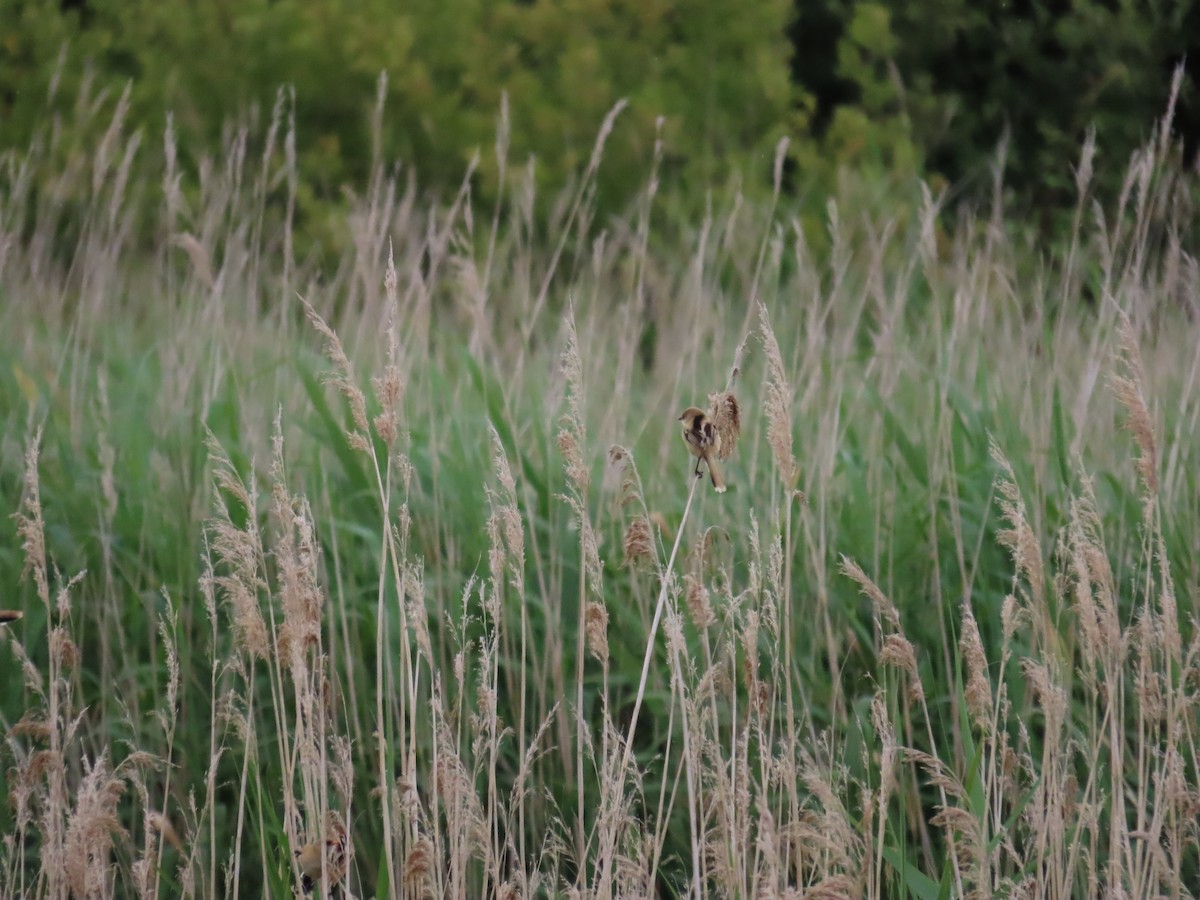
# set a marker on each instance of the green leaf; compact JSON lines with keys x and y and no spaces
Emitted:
{"x":912,"y":879}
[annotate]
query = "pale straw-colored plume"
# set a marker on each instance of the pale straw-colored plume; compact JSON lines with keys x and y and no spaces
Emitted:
{"x":30,"y":528}
{"x":572,"y":434}
{"x":1130,"y":390}
{"x":777,"y":403}
{"x":91,"y":828}
{"x":898,"y":651}
{"x":418,"y":869}
{"x":978,"y":694}
{"x":238,"y":551}
{"x":342,"y":378}
{"x":698,"y":603}
{"x":1018,"y":537}
{"x":596,"y":629}
{"x":726,"y":417}
{"x":639,"y":542}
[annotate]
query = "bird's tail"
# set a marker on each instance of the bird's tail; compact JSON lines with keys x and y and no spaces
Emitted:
{"x":714,"y":472}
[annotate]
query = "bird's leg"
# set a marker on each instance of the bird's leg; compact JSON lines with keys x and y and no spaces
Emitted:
{"x":696,"y":469}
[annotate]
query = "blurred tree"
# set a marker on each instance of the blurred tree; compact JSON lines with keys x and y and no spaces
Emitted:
{"x":716,"y":71}
{"x":964,"y":74}
{"x":923,"y":86}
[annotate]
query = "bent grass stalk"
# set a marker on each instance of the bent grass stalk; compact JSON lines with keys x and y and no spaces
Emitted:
{"x":660,"y":606}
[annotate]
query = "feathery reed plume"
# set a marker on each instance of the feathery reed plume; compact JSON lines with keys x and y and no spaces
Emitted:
{"x":639,"y":542}
{"x":238,"y":551}
{"x":898,"y":651}
{"x":778,"y":404}
{"x":389,"y":388}
{"x":31,"y":530}
{"x":978,"y":694}
{"x":343,"y":380}
{"x":1130,"y":390}
{"x":883,"y":606}
{"x":572,"y":434}
{"x":90,"y":830}
{"x":1019,"y":538}
{"x":698,"y":603}
{"x":509,"y":514}
{"x":295,"y":552}
{"x":829,"y":831}
{"x":596,"y":629}
{"x":418,"y":869}
{"x":621,"y":466}
{"x":1092,"y":588}
{"x":726,"y":417}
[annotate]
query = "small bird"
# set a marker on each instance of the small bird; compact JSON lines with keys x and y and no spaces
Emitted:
{"x":329,"y":854}
{"x":704,"y":442}
{"x":9,"y":615}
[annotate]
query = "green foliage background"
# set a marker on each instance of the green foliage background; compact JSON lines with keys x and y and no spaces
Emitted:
{"x":887,"y":88}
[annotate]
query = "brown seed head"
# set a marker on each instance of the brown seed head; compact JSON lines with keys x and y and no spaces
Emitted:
{"x":727,"y":420}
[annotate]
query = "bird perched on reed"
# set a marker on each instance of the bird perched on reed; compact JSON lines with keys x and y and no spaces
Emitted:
{"x":9,"y":615}
{"x":704,"y":442}
{"x":330,"y":853}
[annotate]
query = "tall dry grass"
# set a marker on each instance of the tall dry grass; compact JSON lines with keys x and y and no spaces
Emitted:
{"x":937,"y":640}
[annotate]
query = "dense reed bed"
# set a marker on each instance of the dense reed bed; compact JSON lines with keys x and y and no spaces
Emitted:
{"x":395,"y":546}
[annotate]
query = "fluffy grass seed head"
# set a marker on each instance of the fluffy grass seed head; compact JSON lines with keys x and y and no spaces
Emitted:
{"x":639,"y":543}
{"x":978,"y":694}
{"x":1130,"y":390}
{"x":596,"y":630}
{"x":778,"y":404}
{"x":726,"y":416}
